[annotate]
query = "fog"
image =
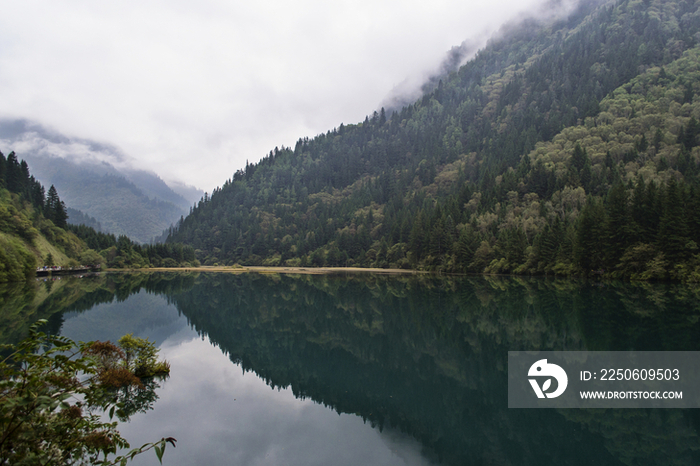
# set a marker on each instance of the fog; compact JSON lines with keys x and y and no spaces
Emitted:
{"x":192,"y":91}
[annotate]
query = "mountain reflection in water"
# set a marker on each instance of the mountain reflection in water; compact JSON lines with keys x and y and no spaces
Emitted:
{"x":419,"y":358}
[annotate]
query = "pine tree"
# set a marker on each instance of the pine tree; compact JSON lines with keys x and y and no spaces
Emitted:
{"x":61,"y":216}
{"x":3,"y":170}
{"x":619,"y":231}
{"x":547,"y":245}
{"x":590,"y":235}
{"x":578,"y":159}
{"x":13,"y":175}
{"x":638,"y":210}
{"x":55,"y":209}
{"x":674,"y":234}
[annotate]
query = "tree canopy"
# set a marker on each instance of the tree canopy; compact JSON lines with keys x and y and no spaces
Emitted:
{"x":566,"y":147}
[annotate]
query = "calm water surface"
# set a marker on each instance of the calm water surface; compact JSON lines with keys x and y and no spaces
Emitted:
{"x":306,"y":370}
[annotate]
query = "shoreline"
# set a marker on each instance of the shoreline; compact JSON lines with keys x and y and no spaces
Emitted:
{"x":271,"y":269}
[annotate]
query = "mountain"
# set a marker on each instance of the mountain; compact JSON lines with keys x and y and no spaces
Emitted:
{"x":76,"y":217}
{"x":563,"y":147}
{"x":34,"y":232}
{"x":97,"y":180}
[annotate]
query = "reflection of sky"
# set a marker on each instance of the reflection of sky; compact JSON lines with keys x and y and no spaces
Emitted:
{"x":144,"y":314}
{"x":221,"y":416}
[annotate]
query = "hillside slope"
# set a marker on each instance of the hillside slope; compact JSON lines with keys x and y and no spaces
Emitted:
{"x":564,"y":148}
{"x":28,"y":240}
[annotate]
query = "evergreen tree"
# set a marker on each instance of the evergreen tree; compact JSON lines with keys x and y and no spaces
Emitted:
{"x":13,"y":174}
{"x":579,"y":157}
{"x":619,"y":230}
{"x":590,"y":236}
{"x":55,"y":209}
{"x":3,"y":170}
{"x":674,"y":235}
{"x":639,"y":211}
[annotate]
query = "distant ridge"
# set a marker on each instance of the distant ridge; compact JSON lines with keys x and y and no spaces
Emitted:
{"x":125,"y":201}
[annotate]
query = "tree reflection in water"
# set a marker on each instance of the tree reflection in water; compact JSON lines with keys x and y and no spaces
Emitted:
{"x":428,"y":355}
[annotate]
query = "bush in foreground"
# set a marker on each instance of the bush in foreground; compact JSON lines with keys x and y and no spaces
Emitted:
{"x":52,"y":393}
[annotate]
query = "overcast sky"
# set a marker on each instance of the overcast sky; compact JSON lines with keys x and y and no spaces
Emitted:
{"x":191,"y":90}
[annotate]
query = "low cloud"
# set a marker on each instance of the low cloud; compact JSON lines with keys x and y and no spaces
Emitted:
{"x":29,"y":139}
{"x":414,"y":86}
{"x":193,"y":90}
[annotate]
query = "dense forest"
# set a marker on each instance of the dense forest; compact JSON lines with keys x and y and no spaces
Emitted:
{"x":77,"y":217}
{"x":120,"y":251}
{"x":568,"y":147}
{"x":34,"y":232}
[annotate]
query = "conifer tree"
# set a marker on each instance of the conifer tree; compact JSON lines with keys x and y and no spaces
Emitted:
{"x":673,"y":235}
{"x":618,"y":225}
{"x":13,"y":173}
{"x":3,"y":170}
{"x":590,"y":235}
{"x":55,"y":209}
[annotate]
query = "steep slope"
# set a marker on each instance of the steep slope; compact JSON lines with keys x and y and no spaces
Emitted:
{"x":119,"y":205}
{"x":526,"y":160}
{"x":29,"y":240}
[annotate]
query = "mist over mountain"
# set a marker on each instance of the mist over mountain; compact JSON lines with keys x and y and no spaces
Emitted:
{"x":415,"y":86}
{"x":99,"y":180}
{"x":566,"y":147}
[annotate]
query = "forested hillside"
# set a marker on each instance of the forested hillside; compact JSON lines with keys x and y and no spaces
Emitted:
{"x":34,"y":232}
{"x":31,"y":225}
{"x":76,"y":217}
{"x":561,"y":148}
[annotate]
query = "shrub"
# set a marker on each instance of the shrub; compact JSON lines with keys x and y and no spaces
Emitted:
{"x":141,"y":357}
{"x":52,"y":395}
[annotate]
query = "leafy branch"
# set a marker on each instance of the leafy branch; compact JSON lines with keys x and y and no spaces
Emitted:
{"x":52,"y":394}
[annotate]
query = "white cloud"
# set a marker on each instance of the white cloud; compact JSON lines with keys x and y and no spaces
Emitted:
{"x":192,"y":90}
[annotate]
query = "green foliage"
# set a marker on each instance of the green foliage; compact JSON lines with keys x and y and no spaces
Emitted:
{"x":17,"y":263}
{"x":121,"y":206}
{"x":27,"y":236}
{"x":51,"y":397}
{"x":15,"y":177}
{"x":141,"y":357}
{"x":24,"y":221}
{"x":55,"y":209}
{"x":120,"y":252}
{"x":139,"y":206}
{"x":76,"y":217}
{"x":554,"y":151}
{"x":16,"y":217}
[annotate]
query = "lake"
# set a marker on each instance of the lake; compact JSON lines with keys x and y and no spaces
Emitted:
{"x":271,"y":369}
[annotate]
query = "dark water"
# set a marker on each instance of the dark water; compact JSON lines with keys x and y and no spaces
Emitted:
{"x":270,"y":369}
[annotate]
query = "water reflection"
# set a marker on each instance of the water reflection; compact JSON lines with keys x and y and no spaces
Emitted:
{"x":225,"y":416}
{"x":418,"y":358}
